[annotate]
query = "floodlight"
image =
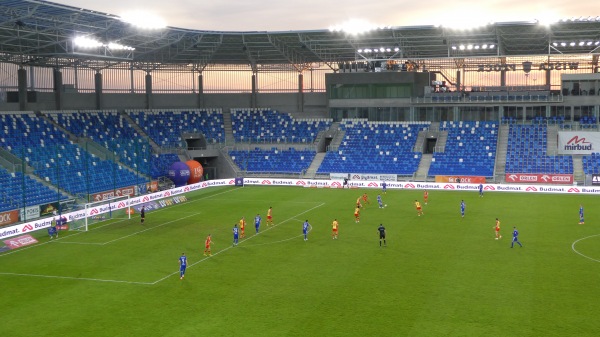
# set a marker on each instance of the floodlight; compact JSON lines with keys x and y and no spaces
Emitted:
{"x":469,"y":47}
{"x":144,"y":20}
{"x":453,"y":47}
{"x":572,"y":44}
{"x":492,"y":46}
{"x":555,"y":44}
{"x":360,"y":50}
{"x":596,"y":43}
{"x":581,"y":43}
{"x":476,"y":46}
{"x":388,"y":50}
{"x":484,"y":46}
{"x":382,"y":49}
{"x":396,"y":49}
{"x":563,"y":44}
{"x":589,"y":43}
{"x":461,"y":47}
{"x":86,"y":42}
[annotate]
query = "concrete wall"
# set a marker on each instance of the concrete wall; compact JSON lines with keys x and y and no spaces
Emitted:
{"x":315,"y":104}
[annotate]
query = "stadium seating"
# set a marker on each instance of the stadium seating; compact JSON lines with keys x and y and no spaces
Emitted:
{"x":111,"y":130}
{"x":160,"y":164}
{"x":20,"y":190}
{"x":588,"y":122}
{"x":591,"y":164}
{"x":58,"y":161}
{"x":273,"y":160}
{"x":166,"y":126}
{"x":527,"y":152}
{"x":375,"y":147}
{"x":470,"y":149}
{"x":266,"y":125}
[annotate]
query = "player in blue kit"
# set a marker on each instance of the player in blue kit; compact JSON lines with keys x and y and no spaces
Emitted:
{"x":257,"y":220}
{"x":515,"y":238}
{"x":236,"y":233}
{"x":581,"y":221}
{"x":379,"y":201}
{"x":182,"y":265}
{"x":481,"y":190}
{"x":305,"y":227}
{"x":383,"y":187}
{"x":462,"y":208}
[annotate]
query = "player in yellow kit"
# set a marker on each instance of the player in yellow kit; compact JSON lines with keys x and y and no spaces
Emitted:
{"x":242,"y":227}
{"x":357,"y":215}
{"x":419,"y":209}
{"x":334,"y":226}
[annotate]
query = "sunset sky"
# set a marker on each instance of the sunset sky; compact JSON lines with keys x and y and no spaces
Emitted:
{"x":269,"y":15}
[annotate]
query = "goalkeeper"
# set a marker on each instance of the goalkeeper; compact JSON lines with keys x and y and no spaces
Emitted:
{"x":52,"y":231}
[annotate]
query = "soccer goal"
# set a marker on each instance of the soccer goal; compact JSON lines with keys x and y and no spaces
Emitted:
{"x":98,"y":211}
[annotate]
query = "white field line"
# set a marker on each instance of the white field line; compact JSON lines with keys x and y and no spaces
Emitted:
{"x":253,"y":236}
{"x":75,"y":278}
{"x":575,"y":250}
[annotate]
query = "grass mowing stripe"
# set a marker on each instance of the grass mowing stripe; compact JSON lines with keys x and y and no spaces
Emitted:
{"x":228,"y":248}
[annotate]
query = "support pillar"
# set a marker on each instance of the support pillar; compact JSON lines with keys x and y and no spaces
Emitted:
{"x":300,"y":92}
{"x":58,"y":85}
{"x":22,"y":83}
{"x":98,"y":90}
{"x":200,"y":91}
{"x":148,"y":91}
{"x":253,"y":95}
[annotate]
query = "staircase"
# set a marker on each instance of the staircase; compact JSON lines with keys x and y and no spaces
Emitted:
{"x":227,"y":125}
{"x":423,"y":169}
{"x":440,"y":144}
{"x":314,"y":166}
{"x":578,"y":174}
{"x":501,"y":151}
{"x":140,"y":131}
{"x":551,"y":139}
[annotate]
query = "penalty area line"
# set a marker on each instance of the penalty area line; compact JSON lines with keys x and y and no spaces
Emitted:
{"x":241,"y":242}
{"x":76,"y":278}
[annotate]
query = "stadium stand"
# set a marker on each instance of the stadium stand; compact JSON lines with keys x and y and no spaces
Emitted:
{"x":527,"y":152}
{"x":591,"y":163}
{"x":375,"y":147}
{"x":470,"y":149}
{"x":266,"y":125}
{"x":19,"y":190}
{"x":111,"y":130}
{"x":160,"y":164}
{"x":58,"y":161}
{"x":165,"y":127}
{"x":273,"y":160}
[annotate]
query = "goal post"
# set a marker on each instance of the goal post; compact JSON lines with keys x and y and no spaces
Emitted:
{"x":104,"y":210}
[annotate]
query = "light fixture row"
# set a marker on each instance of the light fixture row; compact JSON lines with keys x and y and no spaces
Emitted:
{"x":473,"y":46}
{"x":86,"y":42}
{"x":575,"y":44}
{"x":378,"y":50}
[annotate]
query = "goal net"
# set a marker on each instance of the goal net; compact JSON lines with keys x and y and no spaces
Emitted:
{"x":98,"y":211}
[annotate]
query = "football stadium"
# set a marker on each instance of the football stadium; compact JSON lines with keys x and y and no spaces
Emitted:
{"x":381,"y":181}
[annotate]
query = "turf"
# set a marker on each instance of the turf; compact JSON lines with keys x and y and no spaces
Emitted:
{"x":440,"y":274}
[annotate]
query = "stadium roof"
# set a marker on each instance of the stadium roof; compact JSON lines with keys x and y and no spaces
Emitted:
{"x":35,"y":32}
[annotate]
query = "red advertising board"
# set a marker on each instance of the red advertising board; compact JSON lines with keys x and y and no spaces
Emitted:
{"x":536,"y":178}
{"x":20,"y":241}
{"x":6,"y":218}
{"x":460,"y":179}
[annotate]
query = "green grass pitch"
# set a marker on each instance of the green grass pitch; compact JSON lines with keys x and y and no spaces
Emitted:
{"x":440,"y":274}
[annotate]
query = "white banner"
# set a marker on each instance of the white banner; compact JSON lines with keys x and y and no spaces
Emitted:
{"x":373,"y":177}
{"x":338,"y":176}
{"x":578,"y":142}
{"x":30,"y":213}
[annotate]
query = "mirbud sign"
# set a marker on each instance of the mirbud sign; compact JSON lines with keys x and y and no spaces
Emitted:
{"x":578,"y":142}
